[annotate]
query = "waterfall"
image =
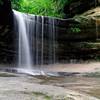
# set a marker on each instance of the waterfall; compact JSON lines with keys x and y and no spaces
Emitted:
{"x":24,"y":56}
{"x":37,"y":44}
{"x":52,"y":42}
{"x":36,"y":40}
{"x":42,"y":41}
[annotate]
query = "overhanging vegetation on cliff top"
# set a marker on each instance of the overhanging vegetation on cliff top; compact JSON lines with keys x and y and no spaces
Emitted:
{"x":40,"y":7}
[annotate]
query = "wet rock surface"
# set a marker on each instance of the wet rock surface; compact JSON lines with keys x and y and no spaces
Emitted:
{"x":7,"y":36}
{"x":26,"y":87}
{"x":5,"y":12}
{"x":81,"y":40}
{"x":75,"y":7}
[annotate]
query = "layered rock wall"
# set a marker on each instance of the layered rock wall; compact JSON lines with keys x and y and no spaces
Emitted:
{"x":7,"y":36}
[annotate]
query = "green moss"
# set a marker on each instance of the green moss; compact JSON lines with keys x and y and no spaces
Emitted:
{"x":47,"y":97}
{"x":44,"y":96}
{"x":93,"y":74}
{"x":7,"y":75}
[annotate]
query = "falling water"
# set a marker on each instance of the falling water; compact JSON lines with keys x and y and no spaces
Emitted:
{"x":24,"y":56}
{"x":54,"y":43}
{"x":37,"y":42}
{"x":42,"y":41}
{"x":33,"y":31}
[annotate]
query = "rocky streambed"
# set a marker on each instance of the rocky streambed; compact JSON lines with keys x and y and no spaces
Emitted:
{"x":25,"y":87}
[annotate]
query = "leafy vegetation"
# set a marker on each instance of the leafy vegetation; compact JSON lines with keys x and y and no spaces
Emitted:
{"x":75,"y":29}
{"x":41,"y":7}
{"x":16,"y":4}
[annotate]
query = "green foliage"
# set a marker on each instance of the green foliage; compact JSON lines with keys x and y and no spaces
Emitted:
{"x":75,"y":29}
{"x":16,"y":4}
{"x":40,"y":7}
